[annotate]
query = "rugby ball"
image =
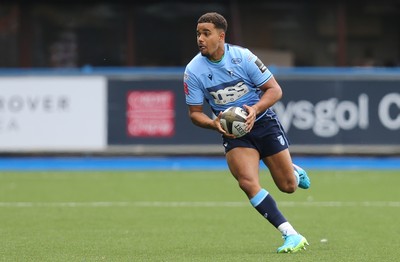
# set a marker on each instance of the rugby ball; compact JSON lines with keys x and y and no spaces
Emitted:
{"x":233,"y":121}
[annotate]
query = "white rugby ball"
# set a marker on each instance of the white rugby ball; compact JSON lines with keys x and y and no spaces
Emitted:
{"x":233,"y":121}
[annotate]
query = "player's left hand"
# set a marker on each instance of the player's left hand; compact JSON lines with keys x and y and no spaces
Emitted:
{"x":251,"y":117}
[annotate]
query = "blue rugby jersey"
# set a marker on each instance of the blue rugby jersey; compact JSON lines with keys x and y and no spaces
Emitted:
{"x":233,"y":81}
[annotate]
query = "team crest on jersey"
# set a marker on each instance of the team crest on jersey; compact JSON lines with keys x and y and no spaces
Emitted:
{"x":281,"y":140}
{"x":261,"y":65}
{"x":210,"y":76}
{"x":236,"y":60}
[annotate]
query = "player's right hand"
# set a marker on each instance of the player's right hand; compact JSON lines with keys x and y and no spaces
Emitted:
{"x":217,"y":123}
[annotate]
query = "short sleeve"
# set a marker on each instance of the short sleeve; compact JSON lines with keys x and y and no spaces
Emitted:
{"x":192,"y":87}
{"x":257,"y":71}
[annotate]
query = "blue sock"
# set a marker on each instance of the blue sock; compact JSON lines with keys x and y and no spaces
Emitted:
{"x":266,"y":206}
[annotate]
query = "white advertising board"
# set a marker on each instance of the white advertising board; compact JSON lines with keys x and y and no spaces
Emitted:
{"x":53,"y":113}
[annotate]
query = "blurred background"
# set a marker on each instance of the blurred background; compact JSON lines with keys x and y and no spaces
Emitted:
{"x":106,"y":76}
{"x":162,"y":33}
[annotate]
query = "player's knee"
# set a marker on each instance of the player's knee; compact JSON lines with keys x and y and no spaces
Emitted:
{"x":248,"y":186}
{"x":288,"y":187}
{"x":245,"y":185}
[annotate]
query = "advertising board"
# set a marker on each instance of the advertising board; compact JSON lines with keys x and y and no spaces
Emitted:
{"x":341,"y":111}
{"x":52,"y":113}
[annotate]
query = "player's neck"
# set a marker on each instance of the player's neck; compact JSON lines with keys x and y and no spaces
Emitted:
{"x":218,"y":56}
{"x":217,"y":61}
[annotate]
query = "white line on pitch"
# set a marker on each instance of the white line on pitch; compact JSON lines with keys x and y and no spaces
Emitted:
{"x":200,"y":204}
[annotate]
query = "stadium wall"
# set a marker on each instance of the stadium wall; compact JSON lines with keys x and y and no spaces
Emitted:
{"x":142,"y":111}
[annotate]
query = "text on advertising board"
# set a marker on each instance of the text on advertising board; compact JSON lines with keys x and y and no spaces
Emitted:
{"x":327,"y":117}
{"x":150,"y":113}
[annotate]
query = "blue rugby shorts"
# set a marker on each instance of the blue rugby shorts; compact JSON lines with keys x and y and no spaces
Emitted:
{"x":267,"y":136}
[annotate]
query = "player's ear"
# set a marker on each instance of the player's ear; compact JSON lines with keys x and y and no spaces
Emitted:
{"x":222,"y":35}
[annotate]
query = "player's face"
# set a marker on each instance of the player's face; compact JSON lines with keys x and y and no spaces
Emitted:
{"x":210,"y":41}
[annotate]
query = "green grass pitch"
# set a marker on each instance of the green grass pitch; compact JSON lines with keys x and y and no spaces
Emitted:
{"x":193,"y":216}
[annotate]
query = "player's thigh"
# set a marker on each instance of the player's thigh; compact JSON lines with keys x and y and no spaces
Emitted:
{"x":281,"y":169}
{"x":243,"y":162}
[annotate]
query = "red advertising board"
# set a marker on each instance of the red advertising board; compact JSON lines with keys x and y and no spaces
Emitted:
{"x":150,"y":113}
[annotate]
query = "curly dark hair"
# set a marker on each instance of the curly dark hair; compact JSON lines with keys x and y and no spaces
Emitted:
{"x":218,"y":20}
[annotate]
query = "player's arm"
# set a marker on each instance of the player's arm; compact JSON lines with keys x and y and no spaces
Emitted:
{"x":263,"y":79}
{"x":272,"y":93}
{"x":200,"y":119}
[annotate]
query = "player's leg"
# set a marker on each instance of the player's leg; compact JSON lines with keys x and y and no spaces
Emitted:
{"x":273,"y":144}
{"x":282,"y":171}
{"x":244,"y":165}
{"x":284,"y":176}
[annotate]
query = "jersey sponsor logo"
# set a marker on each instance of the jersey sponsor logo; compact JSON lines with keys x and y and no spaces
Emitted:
{"x":229,"y":94}
{"x":185,"y":88}
{"x":261,"y":65}
{"x":236,"y":60}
